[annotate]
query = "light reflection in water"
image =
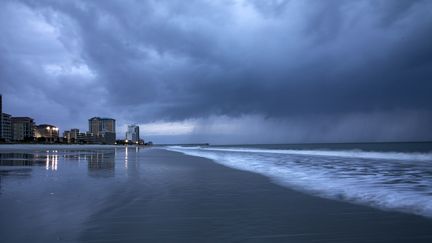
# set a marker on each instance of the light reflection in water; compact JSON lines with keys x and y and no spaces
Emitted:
{"x":131,"y":159}
{"x":126,"y":157}
{"x":51,"y":160}
{"x":101,"y":163}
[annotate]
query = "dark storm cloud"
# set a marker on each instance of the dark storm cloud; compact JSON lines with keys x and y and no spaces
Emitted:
{"x":283,"y":60}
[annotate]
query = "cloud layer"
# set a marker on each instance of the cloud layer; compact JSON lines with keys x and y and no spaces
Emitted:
{"x":315,"y":70}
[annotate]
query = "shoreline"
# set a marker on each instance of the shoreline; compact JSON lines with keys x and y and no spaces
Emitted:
{"x":154,"y":195}
{"x":223,"y":204}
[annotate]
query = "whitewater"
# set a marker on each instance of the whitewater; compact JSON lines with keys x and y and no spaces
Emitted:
{"x":400,"y":181}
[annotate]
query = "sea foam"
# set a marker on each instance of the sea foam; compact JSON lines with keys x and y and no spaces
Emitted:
{"x":386,"y":180}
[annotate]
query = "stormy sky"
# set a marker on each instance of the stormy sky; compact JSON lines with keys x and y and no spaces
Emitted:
{"x":223,"y":71}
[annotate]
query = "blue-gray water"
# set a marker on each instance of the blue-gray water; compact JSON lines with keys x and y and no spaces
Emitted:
{"x":390,"y":176}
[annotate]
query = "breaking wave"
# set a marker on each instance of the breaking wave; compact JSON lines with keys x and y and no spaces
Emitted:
{"x":387,"y":180}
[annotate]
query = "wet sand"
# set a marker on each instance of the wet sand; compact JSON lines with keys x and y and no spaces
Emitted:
{"x":190,"y":199}
{"x":154,"y":195}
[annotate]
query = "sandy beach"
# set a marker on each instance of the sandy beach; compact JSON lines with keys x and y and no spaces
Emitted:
{"x":154,"y":195}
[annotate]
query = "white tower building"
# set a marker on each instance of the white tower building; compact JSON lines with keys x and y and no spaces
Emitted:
{"x":132,"y":134}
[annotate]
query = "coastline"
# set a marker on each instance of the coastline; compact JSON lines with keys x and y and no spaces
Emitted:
{"x":209,"y":202}
{"x":156,"y":195}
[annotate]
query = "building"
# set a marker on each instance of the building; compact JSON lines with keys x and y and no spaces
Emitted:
{"x":81,"y":137}
{"x":74,"y":134}
{"x":90,"y":138}
{"x":71,"y":136}
{"x":47,"y":133}
{"x":22,"y":129}
{"x":66,"y":137}
{"x":103,"y":129}
{"x":132,"y":134}
{"x":6,"y":127}
{"x":1,"y":116}
{"x":98,"y":125}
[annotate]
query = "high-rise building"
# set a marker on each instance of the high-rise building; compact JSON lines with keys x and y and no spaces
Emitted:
{"x":46,"y":133}
{"x":6,"y":127}
{"x":132,"y":134}
{"x":103,"y":129}
{"x":98,"y":125}
{"x":22,"y":128}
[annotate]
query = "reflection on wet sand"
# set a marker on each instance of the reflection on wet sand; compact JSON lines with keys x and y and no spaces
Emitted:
{"x":131,"y":160}
{"x":97,"y":160}
{"x":20,"y":159}
{"x":51,"y":160}
{"x":41,"y":187}
{"x":101,"y":164}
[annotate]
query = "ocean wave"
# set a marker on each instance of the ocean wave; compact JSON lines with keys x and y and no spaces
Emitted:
{"x":387,"y":180}
{"x":340,"y":153}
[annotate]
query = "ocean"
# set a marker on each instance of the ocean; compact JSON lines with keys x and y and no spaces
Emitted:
{"x":388,"y":176}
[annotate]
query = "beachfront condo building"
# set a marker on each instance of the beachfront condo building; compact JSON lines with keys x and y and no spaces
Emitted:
{"x":71,"y":136}
{"x":6,"y":127}
{"x":103,"y":129}
{"x":22,"y":128}
{"x":46,"y":133}
{"x":132,"y":134}
{"x":98,"y":125}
